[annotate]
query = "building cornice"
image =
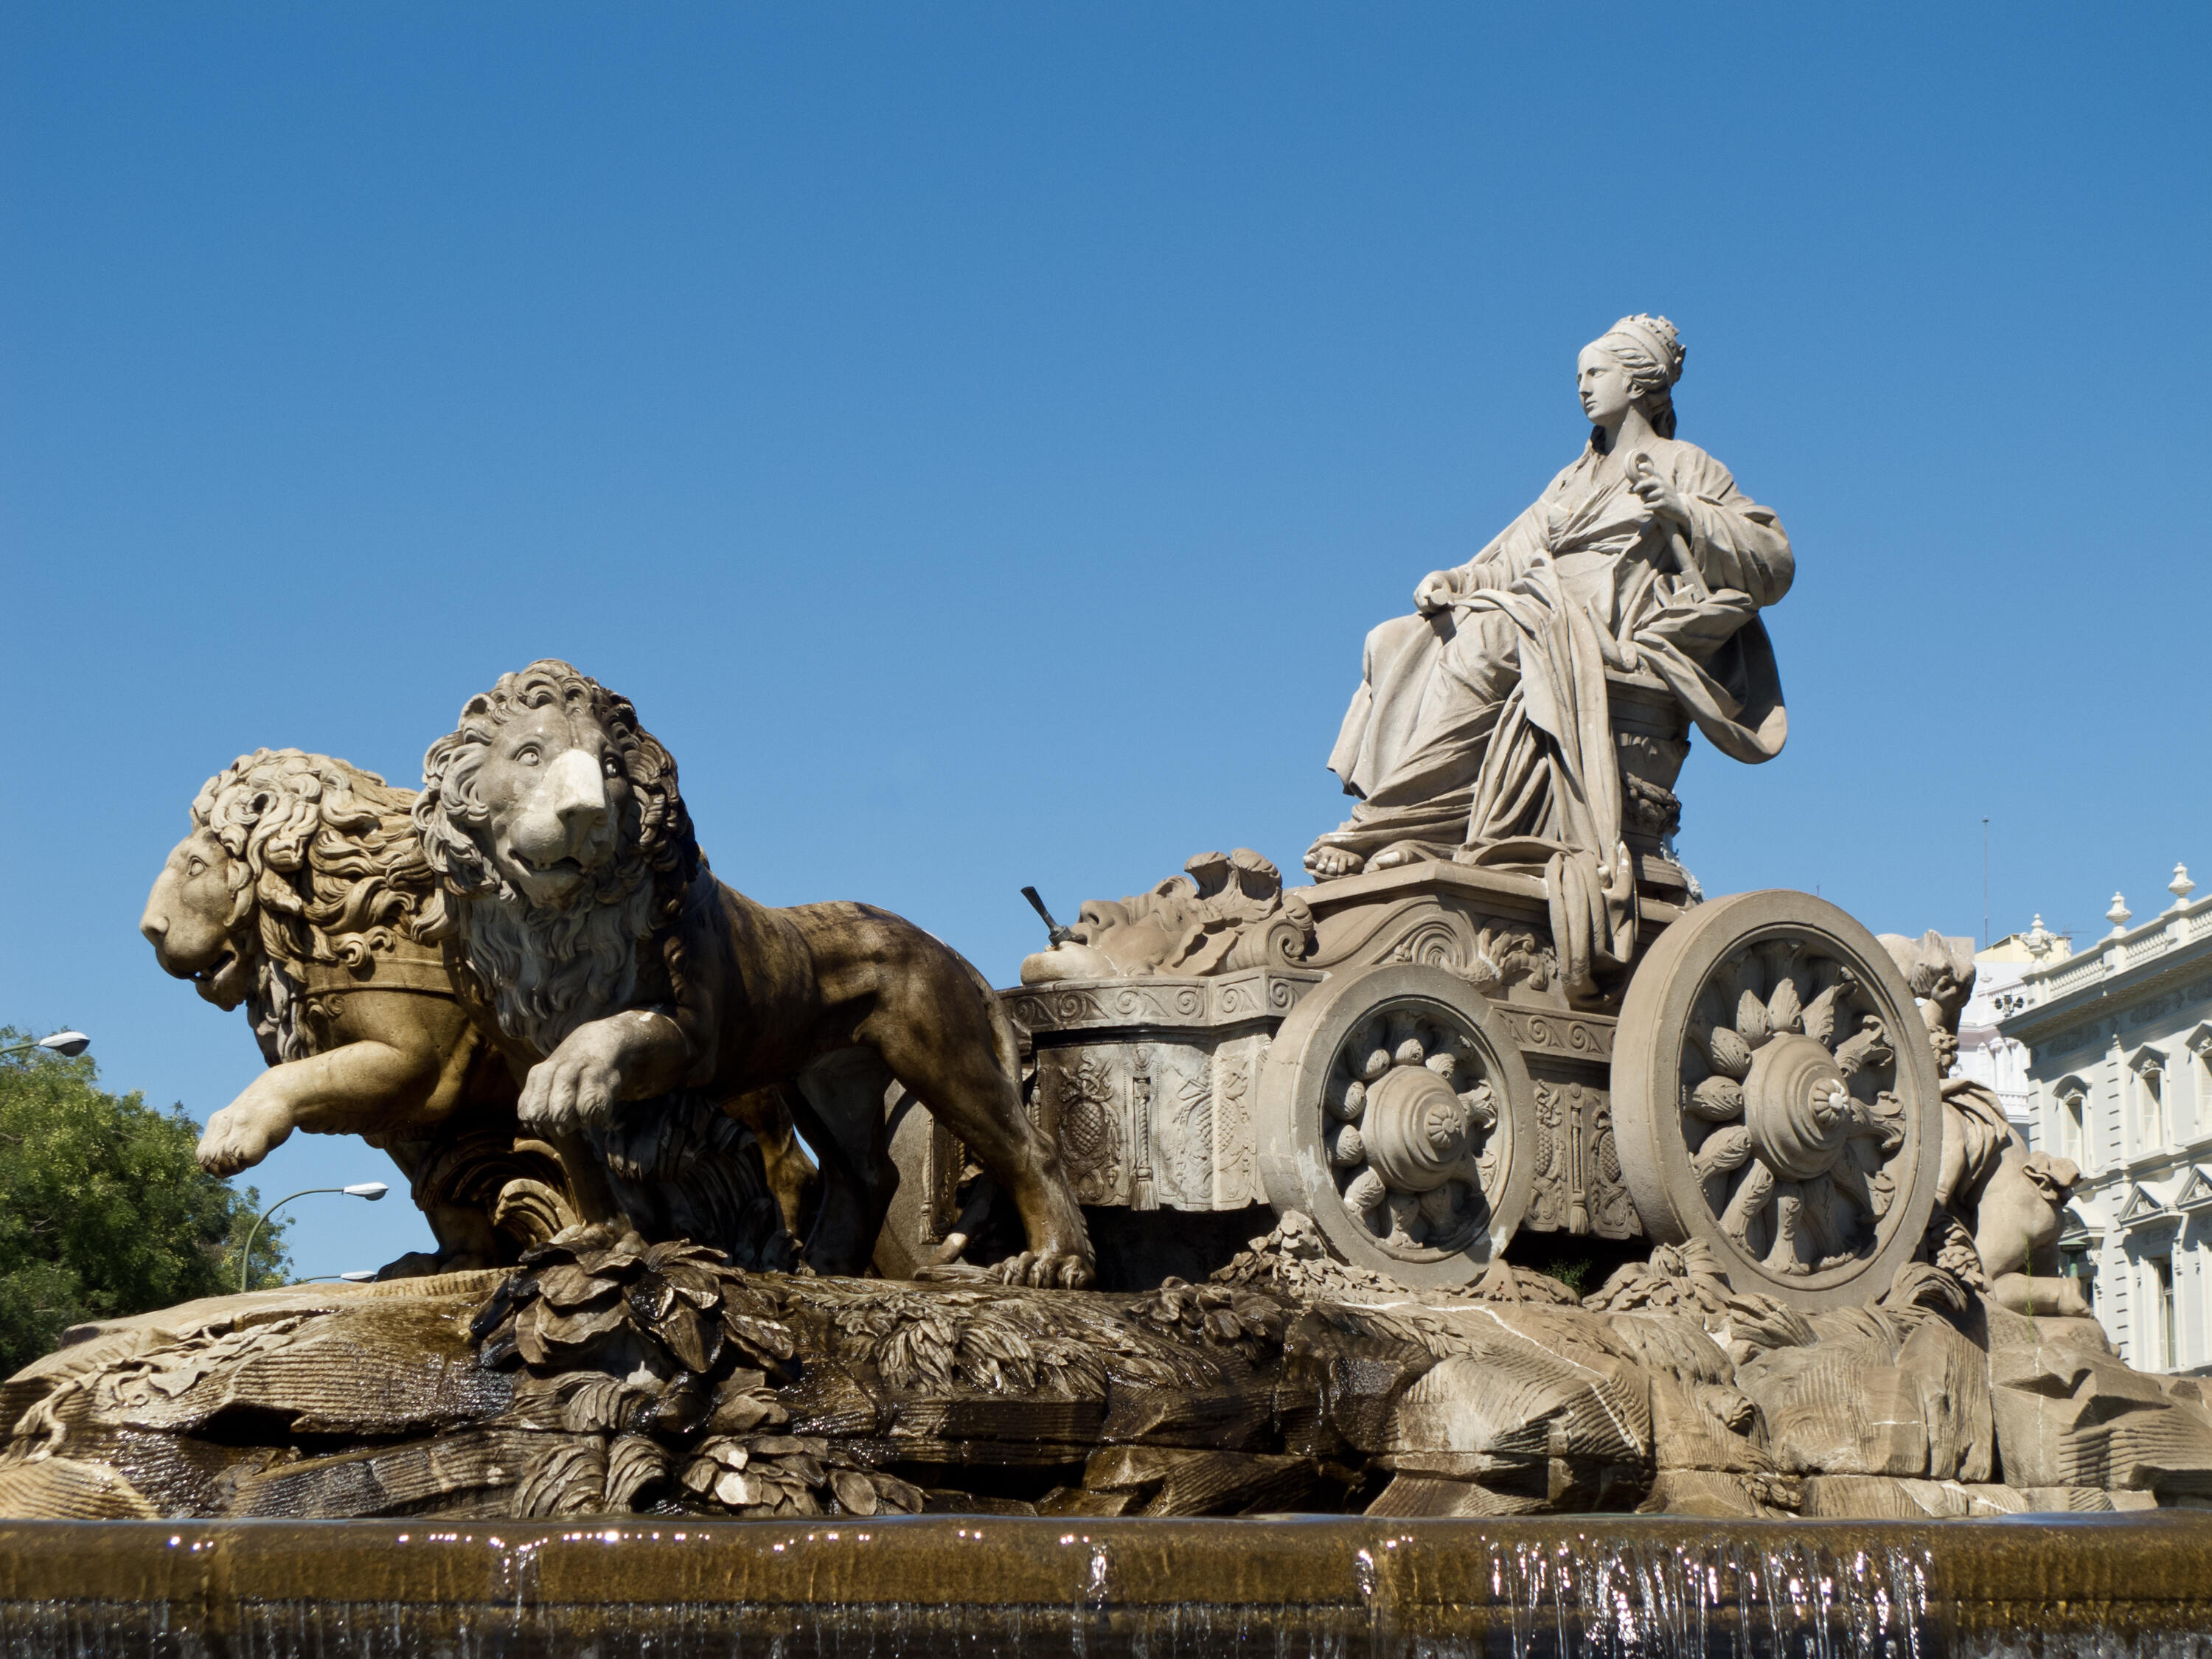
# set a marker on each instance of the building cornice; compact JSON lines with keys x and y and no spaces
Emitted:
{"x":2095,"y":998}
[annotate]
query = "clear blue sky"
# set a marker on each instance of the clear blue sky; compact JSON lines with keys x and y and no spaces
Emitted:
{"x":979,"y":438}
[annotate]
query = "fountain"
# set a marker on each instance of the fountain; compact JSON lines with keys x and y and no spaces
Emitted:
{"x":665,"y":1384}
{"x":1620,"y":1585}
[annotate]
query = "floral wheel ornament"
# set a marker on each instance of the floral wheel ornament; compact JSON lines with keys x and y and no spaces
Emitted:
{"x":1774,"y":1094}
{"x":1395,"y":1112}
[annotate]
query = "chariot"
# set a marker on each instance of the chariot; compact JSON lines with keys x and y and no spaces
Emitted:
{"x":1397,"y":1054}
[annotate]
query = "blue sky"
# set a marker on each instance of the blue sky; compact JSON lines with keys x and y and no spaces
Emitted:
{"x":978,"y":438}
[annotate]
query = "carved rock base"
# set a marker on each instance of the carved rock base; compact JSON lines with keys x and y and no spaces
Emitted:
{"x":608,"y":1377}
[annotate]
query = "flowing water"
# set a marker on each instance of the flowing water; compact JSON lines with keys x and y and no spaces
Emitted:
{"x":1285,"y":1589}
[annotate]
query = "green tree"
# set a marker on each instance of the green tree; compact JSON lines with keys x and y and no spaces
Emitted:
{"x":103,"y":1211}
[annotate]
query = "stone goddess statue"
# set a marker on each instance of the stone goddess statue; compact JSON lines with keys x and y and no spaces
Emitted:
{"x":1481,"y":728}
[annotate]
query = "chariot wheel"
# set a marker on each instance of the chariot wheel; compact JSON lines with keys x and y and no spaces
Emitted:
{"x":1774,"y":1095}
{"x":1395,"y":1110}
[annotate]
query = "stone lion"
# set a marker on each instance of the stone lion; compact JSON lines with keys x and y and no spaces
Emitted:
{"x":609,"y":957}
{"x":297,"y":894}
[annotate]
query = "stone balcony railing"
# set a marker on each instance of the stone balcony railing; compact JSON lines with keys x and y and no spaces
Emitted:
{"x":2180,"y":926}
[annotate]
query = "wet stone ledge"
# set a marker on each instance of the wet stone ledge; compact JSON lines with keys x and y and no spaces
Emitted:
{"x":911,"y":1586}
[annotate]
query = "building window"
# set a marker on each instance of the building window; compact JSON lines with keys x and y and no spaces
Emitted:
{"x":2155,"y":1326}
{"x":2200,"y":1070}
{"x":2072,"y":1133}
{"x":2150,"y":1107}
{"x":2162,"y":1310}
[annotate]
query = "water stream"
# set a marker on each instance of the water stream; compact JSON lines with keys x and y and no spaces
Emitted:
{"x":1288,"y":1589}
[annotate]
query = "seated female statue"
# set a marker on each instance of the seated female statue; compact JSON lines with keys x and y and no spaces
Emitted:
{"x":1481,"y":730}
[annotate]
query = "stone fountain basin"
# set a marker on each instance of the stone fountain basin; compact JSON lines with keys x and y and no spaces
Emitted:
{"x":2105,"y":1583}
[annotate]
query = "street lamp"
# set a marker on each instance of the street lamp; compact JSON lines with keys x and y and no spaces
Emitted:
{"x":371,"y":1190}
{"x":72,"y":1043}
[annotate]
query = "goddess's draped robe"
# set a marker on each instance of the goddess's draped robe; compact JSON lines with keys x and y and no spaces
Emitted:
{"x":1483,"y":733}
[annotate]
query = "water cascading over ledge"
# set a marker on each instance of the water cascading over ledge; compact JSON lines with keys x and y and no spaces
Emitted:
{"x":2112,"y":1584}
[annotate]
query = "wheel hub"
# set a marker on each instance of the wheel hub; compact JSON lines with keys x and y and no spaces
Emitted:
{"x":1419,"y":1132}
{"x":1797,"y":1106}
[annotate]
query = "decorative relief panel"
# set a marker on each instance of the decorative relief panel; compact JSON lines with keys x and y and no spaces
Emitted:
{"x":1182,"y":1133}
{"x":1155,"y":1124}
{"x":1578,"y":1184}
{"x":1082,"y":1102}
{"x":1236,"y":1087}
{"x":1126,"y":1002}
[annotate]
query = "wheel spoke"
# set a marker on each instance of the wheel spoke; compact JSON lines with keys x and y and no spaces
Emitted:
{"x":1716,"y":1100}
{"x":1749,"y":1199}
{"x":1847,"y":1179}
{"x":1782,"y":1256}
{"x":1728,"y":1053}
{"x":1785,"y":1012}
{"x":1725,"y":1150}
{"x":1822,"y":1217}
{"x":1819,"y":1018}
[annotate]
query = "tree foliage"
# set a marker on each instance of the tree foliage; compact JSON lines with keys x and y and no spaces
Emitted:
{"x":103,"y":1211}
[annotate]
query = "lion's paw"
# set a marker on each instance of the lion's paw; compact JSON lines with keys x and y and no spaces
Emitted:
{"x":1046,"y":1270}
{"x":238,"y":1139}
{"x":575,"y":1087}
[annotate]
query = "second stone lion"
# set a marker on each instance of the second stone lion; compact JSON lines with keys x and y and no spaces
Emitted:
{"x":609,"y":960}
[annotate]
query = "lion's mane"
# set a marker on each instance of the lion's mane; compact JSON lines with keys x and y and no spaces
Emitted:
{"x":548,"y":970}
{"x":325,"y":867}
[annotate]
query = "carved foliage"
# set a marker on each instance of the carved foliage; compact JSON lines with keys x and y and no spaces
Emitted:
{"x":1491,"y":958}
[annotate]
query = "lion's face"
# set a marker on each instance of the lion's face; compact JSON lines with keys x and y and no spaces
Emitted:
{"x":189,"y":920}
{"x":553,"y":795}
{"x":555,"y":822}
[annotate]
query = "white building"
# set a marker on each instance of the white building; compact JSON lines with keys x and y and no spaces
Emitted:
{"x":2119,"y":1079}
{"x":1986,"y":1055}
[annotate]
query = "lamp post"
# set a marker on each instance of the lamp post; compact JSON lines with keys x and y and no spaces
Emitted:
{"x":371,"y":1190}
{"x":72,"y":1043}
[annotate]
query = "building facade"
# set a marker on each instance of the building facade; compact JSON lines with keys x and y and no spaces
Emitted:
{"x":2119,"y":1079}
{"x":2000,"y":1063}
